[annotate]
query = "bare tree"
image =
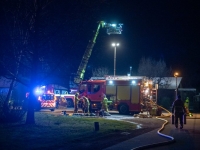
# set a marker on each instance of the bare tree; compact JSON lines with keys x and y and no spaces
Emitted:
{"x":40,"y":38}
{"x":157,"y":71}
{"x":100,"y":72}
{"x":24,"y":61}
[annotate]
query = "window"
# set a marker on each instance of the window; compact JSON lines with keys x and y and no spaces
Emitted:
{"x":48,"y":97}
{"x":96,"y":88}
{"x":64,"y":92}
{"x":89,"y":88}
{"x":83,"y":88}
{"x":57,"y":91}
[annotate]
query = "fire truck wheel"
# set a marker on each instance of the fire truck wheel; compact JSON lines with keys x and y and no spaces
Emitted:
{"x":123,"y":109}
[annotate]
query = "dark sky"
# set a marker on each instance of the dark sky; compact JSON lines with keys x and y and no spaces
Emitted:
{"x":160,"y":29}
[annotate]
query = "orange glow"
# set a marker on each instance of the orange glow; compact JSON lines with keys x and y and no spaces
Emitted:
{"x":176,"y":74}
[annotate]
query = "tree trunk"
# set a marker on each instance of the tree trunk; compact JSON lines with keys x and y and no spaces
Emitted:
{"x":30,"y":118}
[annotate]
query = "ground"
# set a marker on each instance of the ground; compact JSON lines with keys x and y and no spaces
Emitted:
{"x":147,"y":125}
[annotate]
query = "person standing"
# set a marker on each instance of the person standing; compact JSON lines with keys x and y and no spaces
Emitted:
{"x":187,"y":106}
{"x":178,"y":110}
{"x":76,"y":100}
{"x":86,"y":105}
{"x":105,"y":104}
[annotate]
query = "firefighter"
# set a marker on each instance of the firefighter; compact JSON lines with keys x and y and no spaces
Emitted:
{"x":178,"y":111}
{"x":86,"y":105}
{"x":104,"y":103}
{"x":76,"y":100}
{"x":186,"y":104}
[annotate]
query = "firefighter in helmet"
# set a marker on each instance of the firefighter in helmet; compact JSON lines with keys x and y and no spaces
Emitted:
{"x":104,"y":103}
{"x":86,"y":105}
{"x":178,"y":110}
{"x":76,"y":101}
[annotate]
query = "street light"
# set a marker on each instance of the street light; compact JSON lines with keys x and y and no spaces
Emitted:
{"x":176,"y":75}
{"x":130,"y":70}
{"x":115,"y":45}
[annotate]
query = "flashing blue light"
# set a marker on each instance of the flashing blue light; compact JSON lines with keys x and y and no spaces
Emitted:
{"x":38,"y":91}
{"x":114,"y":25}
{"x":133,"y":82}
{"x":110,"y":82}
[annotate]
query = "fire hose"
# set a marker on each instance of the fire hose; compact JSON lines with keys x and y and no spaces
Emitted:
{"x":172,"y":140}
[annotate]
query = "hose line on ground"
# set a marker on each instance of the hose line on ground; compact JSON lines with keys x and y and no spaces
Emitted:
{"x":172,"y":140}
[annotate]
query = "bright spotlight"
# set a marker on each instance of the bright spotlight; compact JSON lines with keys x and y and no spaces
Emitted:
{"x":110,"y":82}
{"x":115,"y":44}
{"x":133,"y":82}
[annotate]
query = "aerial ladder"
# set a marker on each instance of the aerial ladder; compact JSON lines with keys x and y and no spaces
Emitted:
{"x":111,"y":29}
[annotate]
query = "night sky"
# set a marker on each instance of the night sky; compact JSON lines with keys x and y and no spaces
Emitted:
{"x":166,"y":30}
{"x":160,"y":29}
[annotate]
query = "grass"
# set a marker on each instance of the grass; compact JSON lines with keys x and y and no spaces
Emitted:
{"x":54,"y":131}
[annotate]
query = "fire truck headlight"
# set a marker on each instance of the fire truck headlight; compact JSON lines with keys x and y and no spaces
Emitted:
{"x":133,"y":82}
{"x":110,"y":82}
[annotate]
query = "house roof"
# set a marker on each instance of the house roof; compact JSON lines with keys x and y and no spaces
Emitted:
{"x":168,"y":82}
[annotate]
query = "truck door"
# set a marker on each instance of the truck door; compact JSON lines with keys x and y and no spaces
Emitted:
{"x":95,"y":91}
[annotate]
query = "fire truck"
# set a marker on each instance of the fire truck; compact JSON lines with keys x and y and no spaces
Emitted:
{"x":125,"y":92}
{"x":49,"y":94}
{"x":61,"y":94}
{"x":46,"y":98}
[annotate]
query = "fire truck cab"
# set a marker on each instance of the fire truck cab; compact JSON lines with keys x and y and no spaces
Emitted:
{"x":125,"y":92}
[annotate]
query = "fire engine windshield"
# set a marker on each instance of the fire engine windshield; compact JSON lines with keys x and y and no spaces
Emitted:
{"x":82,"y":88}
{"x":48,"y":97}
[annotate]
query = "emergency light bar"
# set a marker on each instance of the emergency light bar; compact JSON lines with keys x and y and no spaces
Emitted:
{"x":111,"y":82}
{"x":124,"y":77}
{"x":118,"y":78}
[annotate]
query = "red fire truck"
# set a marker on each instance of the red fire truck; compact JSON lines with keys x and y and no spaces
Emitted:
{"x":125,"y":92}
{"x":46,"y":98}
{"x":49,"y":94}
{"x":47,"y":101}
{"x":62,"y":95}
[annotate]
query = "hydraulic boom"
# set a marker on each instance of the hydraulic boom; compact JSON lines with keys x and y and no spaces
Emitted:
{"x":111,"y":29}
